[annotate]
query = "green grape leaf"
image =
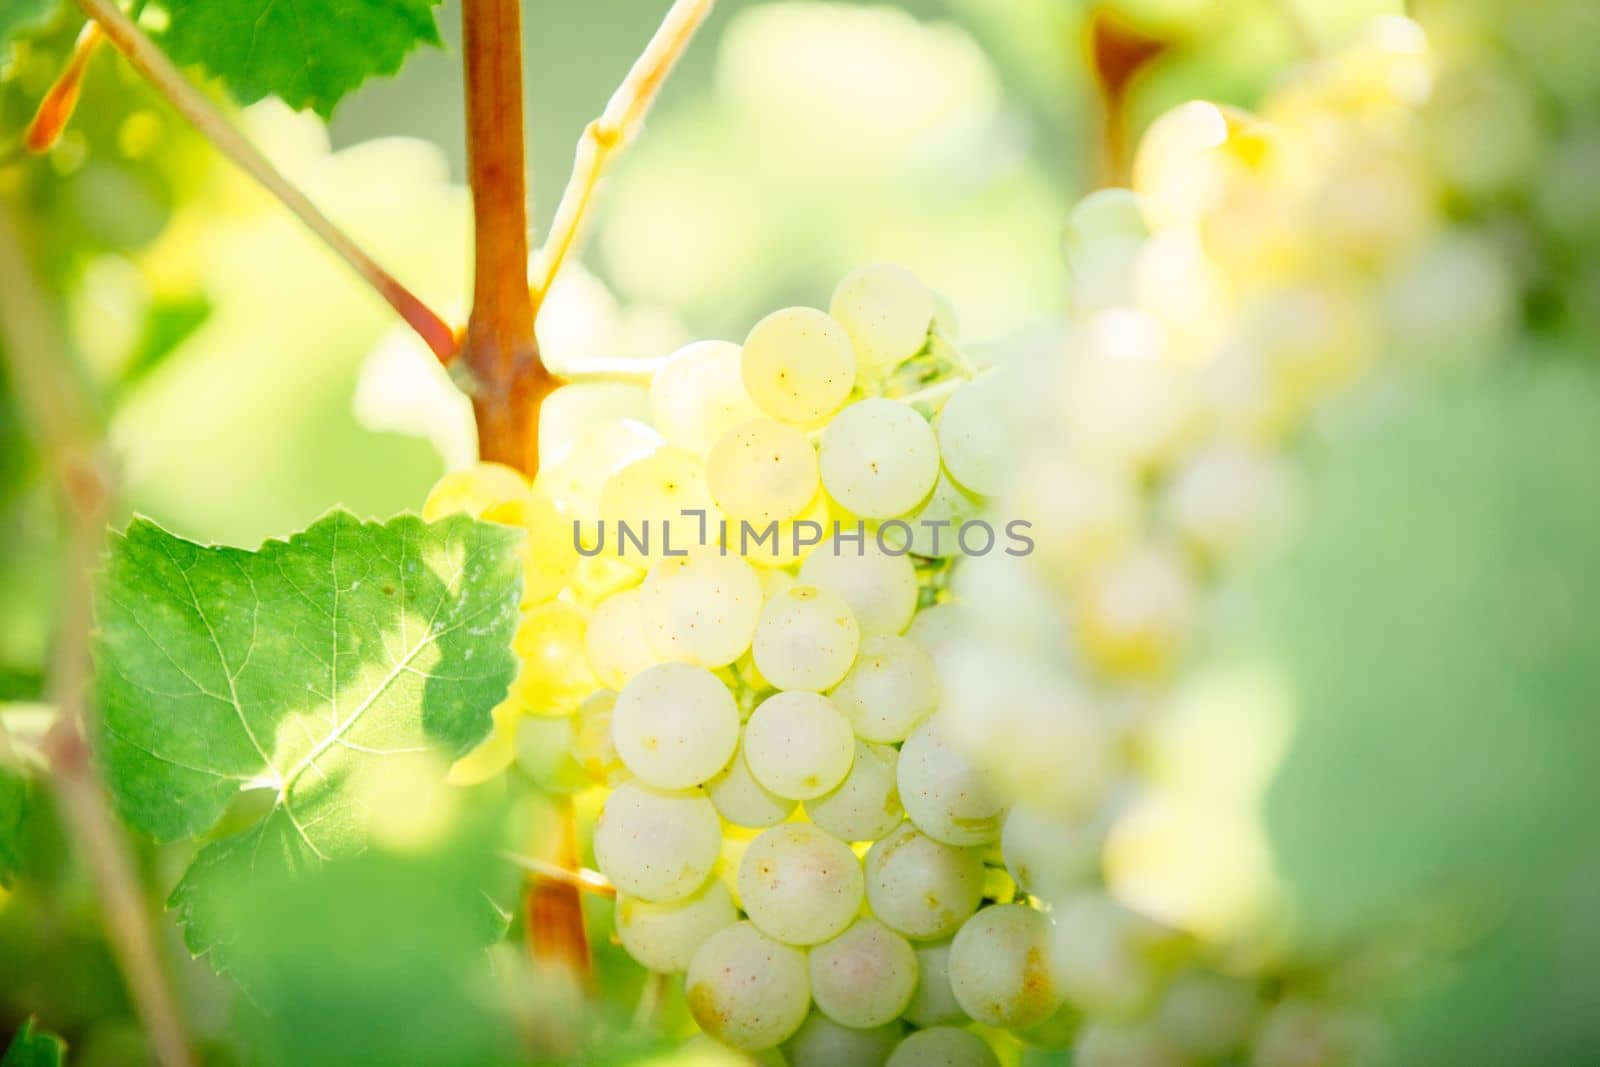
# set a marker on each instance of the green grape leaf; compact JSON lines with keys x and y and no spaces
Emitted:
{"x":312,"y":675}
{"x":34,"y":1048}
{"x":379,"y":959}
{"x":309,"y":53}
{"x":17,"y":16}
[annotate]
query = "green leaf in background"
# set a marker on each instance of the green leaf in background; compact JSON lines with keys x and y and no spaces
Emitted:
{"x":378,"y":960}
{"x":337,"y":673}
{"x":19,"y":15}
{"x":1438,"y":626}
{"x":169,"y":323}
{"x":33,"y":1048}
{"x":309,"y":54}
{"x":15,"y":801}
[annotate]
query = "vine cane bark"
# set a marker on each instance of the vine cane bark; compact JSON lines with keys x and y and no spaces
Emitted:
{"x":500,"y":353}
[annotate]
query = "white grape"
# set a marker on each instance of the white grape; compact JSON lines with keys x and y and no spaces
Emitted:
{"x":656,"y":845}
{"x":747,"y":990}
{"x":592,"y":746}
{"x":1207,"y":1015}
{"x":800,"y":885}
{"x":948,"y":622}
{"x":940,"y":527}
{"x":1059,"y":1031}
{"x":976,"y":435}
{"x":1107,"y":213}
{"x":866,"y":805}
{"x":651,"y":496}
{"x":892,"y":686}
{"x":920,"y":887}
{"x":821,"y":1042}
{"x":1048,"y":855}
{"x":1028,"y":724}
{"x":473,"y":490}
{"x":1082,"y":513}
{"x":576,"y":483}
{"x":798,"y":745}
{"x":575,"y":406}
{"x":798,"y":365}
{"x":806,"y":639}
{"x":742,"y":800}
{"x":675,"y":725}
{"x":1297,"y":1031}
{"x":1126,"y":402}
{"x":944,"y":793}
{"x":615,"y":639}
{"x":762,"y":470}
{"x":1104,"y":1043}
{"x":1099,"y":958}
{"x":1105,"y":234}
{"x":880,"y":588}
{"x":664,"y":937}
{"x":879,"y":458}
{"x":1000,"y":969}
{"x":1132,"y":614}
{"x":934,"y":1002}
{"x":699,"y":394}
{"x":864,"y":977}
{"x":943,"y":1046}
{"x":887,"y":312}
{"x":1227,"y":497}
{"x":700,"y":608}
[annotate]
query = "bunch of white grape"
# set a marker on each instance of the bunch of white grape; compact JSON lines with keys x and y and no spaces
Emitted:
{"x":730,"y":647}
{"x":1224,"y":310}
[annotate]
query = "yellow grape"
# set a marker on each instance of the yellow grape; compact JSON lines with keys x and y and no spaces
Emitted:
{"x":762,"y":470}
{"x":555,"y":674}
{"x":799,"y":365}
{"x":473,"y":490}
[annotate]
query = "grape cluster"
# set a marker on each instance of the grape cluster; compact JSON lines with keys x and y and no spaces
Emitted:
{"x":1262,"y":277}
{"x":891,"y":797}
{"x":785,"y":819}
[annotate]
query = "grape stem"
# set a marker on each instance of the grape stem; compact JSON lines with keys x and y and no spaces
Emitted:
{"x":143,"y":55}
{"x":934,"y":393}
{"x":66,"y":424}
{"x":56,"y":109}
{"x":505,"y":378}
{"x":611,"y":133}
{"x":581,"y":878}
{"x":612,"y":369}
{"x":648,"y":1010}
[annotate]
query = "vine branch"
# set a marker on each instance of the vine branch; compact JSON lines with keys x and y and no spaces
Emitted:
{"x":505,"y":378}
{"x":143,"y":55}
{"x":612,"y":132}
{"x":55,"y":110}
{"x":64,"y":423}
{"x":580,"y":878}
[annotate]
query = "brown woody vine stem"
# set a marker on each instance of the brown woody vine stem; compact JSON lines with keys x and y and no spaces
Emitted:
{"x":65,"y":426}
{"x":143,"y":55}
{"x":507,"y":381}
{"x":504,"y":375}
